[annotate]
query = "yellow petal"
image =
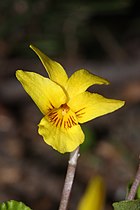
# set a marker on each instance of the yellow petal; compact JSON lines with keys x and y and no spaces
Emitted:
{"x":55,"y":71}
{"x":61,"y":139}
{"x":81,"y":80}
{"x":94,"y":197}
{"x":44,"y":92}
{"x":88,"y":106}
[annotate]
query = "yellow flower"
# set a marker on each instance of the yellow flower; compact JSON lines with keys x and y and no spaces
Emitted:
{"x":94,"y":197}
{"x":65,"y":102}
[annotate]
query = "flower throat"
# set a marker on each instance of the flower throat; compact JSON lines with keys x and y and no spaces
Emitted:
{"x":62,"y":117}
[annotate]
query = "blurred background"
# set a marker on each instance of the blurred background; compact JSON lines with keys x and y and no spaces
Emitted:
{"x":102,"y":36}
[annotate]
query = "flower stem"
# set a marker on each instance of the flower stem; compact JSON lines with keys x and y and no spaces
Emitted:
{"x":134,"y":186}
{"x":69,"y":179}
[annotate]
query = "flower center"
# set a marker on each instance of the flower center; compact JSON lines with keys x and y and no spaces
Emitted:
{"x":62,"y":117}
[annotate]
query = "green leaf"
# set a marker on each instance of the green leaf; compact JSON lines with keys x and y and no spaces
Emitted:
{"x":127,"y":205}
{"x":13,"y":205}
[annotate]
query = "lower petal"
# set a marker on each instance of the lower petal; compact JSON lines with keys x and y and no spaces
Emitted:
{"x":61,"y":139}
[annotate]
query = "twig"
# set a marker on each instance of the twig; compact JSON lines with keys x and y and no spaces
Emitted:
{"x":134,"y":186}
{"x":69,"y":179}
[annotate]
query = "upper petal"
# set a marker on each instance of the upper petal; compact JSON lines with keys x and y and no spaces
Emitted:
{"x":81,"y":80}
{"x":55,"y":71}
{"x":61,"y":139}
{"x":44,"y":92}
{"x":88,"y":106}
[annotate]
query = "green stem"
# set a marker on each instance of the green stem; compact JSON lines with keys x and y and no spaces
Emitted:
{"x":69,"y":179}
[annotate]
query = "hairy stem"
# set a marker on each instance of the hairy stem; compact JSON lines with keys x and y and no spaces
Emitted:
{"x":69,"y":179}
{"x":134,"y":186}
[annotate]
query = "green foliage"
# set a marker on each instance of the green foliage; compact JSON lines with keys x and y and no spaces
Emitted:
{"x":90,"y":138}
{"x":13,"y":205}
{"x":138,"y":192}
{"x":127,"y":205}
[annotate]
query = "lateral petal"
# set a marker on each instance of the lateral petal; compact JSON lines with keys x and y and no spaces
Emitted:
{"x":55,"y":71}
{"x":61,"y":139}
{"x":88,"y":106}
{"x":44,"y":92}
{"x":81,"y":80}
